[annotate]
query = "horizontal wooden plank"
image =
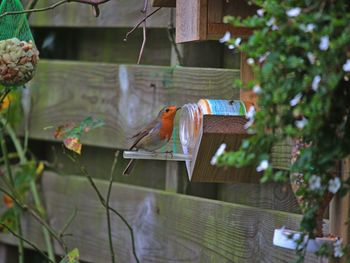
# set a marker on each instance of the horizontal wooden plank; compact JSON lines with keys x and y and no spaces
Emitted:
{"x":113,"y":14}
{"x":275,"y":196}
{"x":125,"y":96}
{"x":168,"y":227}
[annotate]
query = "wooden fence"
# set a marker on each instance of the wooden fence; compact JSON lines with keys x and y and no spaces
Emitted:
{"x":170,"y":223}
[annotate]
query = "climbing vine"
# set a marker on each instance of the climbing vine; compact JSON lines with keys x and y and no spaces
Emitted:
{"x":300,"y":54}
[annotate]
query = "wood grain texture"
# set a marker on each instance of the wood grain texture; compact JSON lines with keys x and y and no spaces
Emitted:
{"x":191,"y":20}
{"x":125,"y":96}
{"x":247,"y":75}
{"x":168,"y":227}
{"x":113,"y":14}
{"x":164,"y":3}
{"x":105,"y":45}
{"x":217,"y":130}
{"x":274,"y":196}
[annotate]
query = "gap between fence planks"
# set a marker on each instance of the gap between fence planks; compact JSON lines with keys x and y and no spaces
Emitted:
{"x":168,"y":227}
{"x":113,"y":14}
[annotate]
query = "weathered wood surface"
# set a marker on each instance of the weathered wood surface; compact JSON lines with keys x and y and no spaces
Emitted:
{"x":191,"y":20}
{"x":168,"y":227}
{"x":125,"y":96}
{"x":339,"y":211}
{"x":274,"y":196}
{"x":105,"y":45}
{"x":113,"y":14}
{"x":203,"y":19}
{"x":217,"y":130}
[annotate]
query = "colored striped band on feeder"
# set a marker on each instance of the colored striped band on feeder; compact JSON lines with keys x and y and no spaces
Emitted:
{"x":191,"y":118}
{"x":18,"y":60}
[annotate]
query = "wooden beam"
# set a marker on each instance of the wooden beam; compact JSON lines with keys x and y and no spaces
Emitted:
{"x":125,"y":96}
{"x":113,"y":14}
{"x":167,"y":226}
{"x":339,"y":212}
{"x":191,"y":20}
{"x":215,"y":131}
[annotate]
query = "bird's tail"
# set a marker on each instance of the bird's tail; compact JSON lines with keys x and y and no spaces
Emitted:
{"x":129,"y":167}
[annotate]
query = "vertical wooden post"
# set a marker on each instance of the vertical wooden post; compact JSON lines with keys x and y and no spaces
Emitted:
{"x":246,"y":75}
{"x":339,"y":211}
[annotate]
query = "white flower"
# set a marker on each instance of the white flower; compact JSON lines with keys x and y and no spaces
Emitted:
{"x":225,"y":38}
{"x":248,"y":124}
{"x":311,"y":57}
{"x":264,"y":164}
{"x":238,"y":41}
{"x":250,"y":61}
{"x":334,"y":185}
{"x":219,"y":152}
{"x":324,"y":43}
{"x":263,"y":57}
{"x":315,"y":182}
{"x":316,"y":82}
{"x":293,"y":12}
{"x":231,"y":46}
{"x":257,"y":89}
{"x":338,"y":252}
{"x":260,"y":12}
{"x":301,"y":123}
{"x":271,"y":21}
{"x":251,"y":113}
{"x":296,"y":99}
{"x":274,"y":27}
{"x":307,"y":28}
{"x":310,"y":27}
{"x":346,"y":66}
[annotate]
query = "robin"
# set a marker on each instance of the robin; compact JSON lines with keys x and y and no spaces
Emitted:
{"x":154,"y":135}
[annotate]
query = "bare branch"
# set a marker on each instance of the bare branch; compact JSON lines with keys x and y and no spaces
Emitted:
{"x":27,"y":241}
{"x":88,"y":2}
{"x":140,"y":22}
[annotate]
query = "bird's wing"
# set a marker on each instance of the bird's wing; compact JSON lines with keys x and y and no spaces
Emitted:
{"x":155,"y":124}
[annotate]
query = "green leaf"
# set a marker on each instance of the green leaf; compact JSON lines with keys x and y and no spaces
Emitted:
{"x":24,"y":176}
{"x":8,"y":218}
{"x":71,"y":133}
{"x":71,"y":257}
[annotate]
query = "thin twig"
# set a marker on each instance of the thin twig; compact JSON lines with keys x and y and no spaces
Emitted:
{"x":107,"y":207}
{"x":33,"y":187}
{"x":18,"y":212}
{"x":36,"y":217}
{"x":144,"y":31}
{"x":27,"y":241}
{"x":139,"y":23}
{"x":67,"y":224}
{"x":171,"y":37}
{"x":103,"y":202}
{"x":89,"y":2}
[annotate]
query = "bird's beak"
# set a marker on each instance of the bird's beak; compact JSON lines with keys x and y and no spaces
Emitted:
{"x":178,"y":108}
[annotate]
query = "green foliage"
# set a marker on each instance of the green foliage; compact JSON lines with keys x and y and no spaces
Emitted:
{"x":71,"y":257}
{"x":71,"y":133}
{"x":300,"y":54}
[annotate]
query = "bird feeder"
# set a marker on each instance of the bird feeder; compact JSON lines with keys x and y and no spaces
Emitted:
{"x":215,"y":130}
{"x":203,"y":19}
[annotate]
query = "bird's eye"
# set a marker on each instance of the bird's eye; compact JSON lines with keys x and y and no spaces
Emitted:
{"x":167,"y":110}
